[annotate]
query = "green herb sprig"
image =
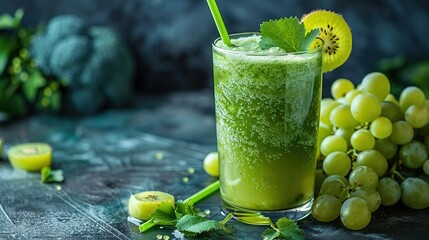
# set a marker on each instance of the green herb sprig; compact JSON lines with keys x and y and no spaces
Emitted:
{"x":284,"y":229}
{"x":48,"y":175}
{"x":167,"y":215}
{"x":186,"y":219}
{"x":286,"y":33}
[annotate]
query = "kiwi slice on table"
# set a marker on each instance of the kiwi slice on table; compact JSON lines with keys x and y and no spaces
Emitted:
{"x":142,"y":205}
{"x":334,"y":35}
{"x":30,"y":156}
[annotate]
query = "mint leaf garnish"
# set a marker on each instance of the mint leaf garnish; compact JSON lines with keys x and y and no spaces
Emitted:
{"x":47,"y":175}
{"x":284,"y":228}
{"x":286,"y":33}
{"x":193,"y":225}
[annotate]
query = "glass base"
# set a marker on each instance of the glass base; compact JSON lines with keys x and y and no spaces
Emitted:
{"x":264,"y":217}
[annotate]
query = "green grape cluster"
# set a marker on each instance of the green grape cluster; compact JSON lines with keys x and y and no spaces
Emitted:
{"x":373,"y":150}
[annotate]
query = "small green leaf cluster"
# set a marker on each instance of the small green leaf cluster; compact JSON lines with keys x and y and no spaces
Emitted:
{"x":185,"y":218}
{"x":48,"y":175}
{"x":23,"y":88}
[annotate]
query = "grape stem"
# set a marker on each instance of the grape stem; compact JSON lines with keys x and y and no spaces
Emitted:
{"x":349,"y":188}
{"x":394,"y":173}
{"x":353,"y":154}
{"x":362,"y":126}
{"x":190,"y":201}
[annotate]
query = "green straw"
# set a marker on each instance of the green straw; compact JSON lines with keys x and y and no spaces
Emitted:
{"x":191,"y":200}
{"x":219,"y":22}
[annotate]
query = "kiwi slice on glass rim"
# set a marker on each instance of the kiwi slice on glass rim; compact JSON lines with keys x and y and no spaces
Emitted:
{"x":334,"y":35}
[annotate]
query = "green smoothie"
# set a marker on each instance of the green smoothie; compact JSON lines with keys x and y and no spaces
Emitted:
{"x":267,"y":115}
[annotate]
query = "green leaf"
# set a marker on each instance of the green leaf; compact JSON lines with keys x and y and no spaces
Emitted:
{"x":309,"y":38}
{"x":19,"y":14}
{"x":189,"y":234}
{"x":32,"y":85}
{"x":270,"y":234}
{"x":4,"y":53}
{"x":196,"y":225}
{"x":286,"y":33}
{"x":47,"y":175}
{"x":9,"y":22}
{"x":184,"y":208}
{"x":56,"y":176}
{"x":164,"y":215}
{"x":289,"y":229}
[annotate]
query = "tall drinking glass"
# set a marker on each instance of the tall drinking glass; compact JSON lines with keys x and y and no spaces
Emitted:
{"x":267,"y":118}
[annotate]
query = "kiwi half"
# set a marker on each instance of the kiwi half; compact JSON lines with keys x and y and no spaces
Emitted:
{"x":30,"y":156}
{"x":143,"y":204}
{"x":334,"y":35}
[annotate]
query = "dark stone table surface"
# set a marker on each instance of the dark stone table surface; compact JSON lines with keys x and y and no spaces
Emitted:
{"x":108,"y":156}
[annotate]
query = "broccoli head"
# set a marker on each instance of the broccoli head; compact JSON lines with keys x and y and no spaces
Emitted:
{"x":92,"y":61}
{"x":66,"y":54}
{"x":58,"y":28}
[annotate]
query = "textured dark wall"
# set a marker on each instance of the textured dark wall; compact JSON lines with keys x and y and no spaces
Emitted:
{"x":171,"y":38}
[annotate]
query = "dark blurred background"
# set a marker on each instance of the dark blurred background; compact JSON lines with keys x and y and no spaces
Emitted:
{"x":170,"y":39}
